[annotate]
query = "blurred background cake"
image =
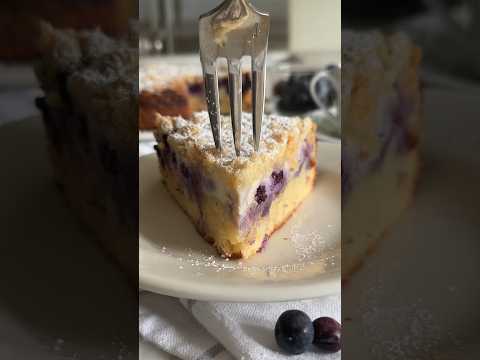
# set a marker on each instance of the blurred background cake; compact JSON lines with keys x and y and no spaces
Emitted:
{"x":382,"y":116}
{"x":173,"y":90}
{"x":19,"y":21}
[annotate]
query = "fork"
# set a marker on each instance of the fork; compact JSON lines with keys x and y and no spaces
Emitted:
{"x":233,"y":30}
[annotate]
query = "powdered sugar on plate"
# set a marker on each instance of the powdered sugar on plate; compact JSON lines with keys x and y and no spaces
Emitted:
{"x":313,"y":251}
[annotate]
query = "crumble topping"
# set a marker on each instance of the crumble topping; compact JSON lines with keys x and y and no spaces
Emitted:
{"x":370,"y":54}
{"x":92,"y":58}
{"x":276,"y":131}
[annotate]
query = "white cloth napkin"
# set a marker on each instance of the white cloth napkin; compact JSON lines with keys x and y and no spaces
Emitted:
{"x":199,"y":330}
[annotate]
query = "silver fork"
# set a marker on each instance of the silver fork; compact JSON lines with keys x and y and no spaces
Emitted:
{"x":233,"y":30}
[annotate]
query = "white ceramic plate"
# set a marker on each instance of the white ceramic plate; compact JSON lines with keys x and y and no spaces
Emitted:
{"x":302,"y":260}
{"x":145,"y":136}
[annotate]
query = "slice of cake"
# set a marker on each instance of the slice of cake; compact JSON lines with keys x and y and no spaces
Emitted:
{"x":236,"y":203}
{"x":179,"y":91}
{"x":381,"y":111}
{"x":90,"y":112}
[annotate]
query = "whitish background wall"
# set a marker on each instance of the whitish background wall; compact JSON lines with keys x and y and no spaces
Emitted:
{"x":314,"y":25}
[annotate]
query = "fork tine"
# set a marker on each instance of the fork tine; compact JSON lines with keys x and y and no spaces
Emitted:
{"x":235,"y":94}
{"x":210,"y":75}
{"x":258,"y":86}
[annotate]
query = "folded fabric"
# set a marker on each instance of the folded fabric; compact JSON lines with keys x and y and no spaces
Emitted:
{"x":201,"y":330}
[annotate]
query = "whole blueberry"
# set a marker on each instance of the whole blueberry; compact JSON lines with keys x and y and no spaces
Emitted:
{"x":261,"y":194}
{"x":277,"y":177}
{"x":294,"y":332}
{"x":328,"y":334}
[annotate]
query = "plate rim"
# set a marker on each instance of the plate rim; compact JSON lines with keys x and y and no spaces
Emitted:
{"x":303,"y":290}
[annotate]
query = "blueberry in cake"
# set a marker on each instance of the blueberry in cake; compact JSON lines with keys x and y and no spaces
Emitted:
{"x":380,"y":135}
{"x":90,"y":112}
{"x":251,"y":195}
{"x":179,"y":91}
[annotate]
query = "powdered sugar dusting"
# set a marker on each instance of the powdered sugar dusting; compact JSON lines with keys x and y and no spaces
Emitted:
{"x":207,"y":262}
{"x":275,"y":133}
{"x":311,"y":253}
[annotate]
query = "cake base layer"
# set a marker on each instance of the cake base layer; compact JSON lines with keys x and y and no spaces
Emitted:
{"x":374,"y":205}
{"x":215,"y":224}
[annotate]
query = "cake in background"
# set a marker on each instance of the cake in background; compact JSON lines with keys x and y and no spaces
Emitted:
{"x":179,"y":91}
{"x":90,"y":112}
{"x":382,"y":111}
{"x":20,"y":21}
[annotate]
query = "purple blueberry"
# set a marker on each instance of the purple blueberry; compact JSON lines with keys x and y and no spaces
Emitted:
{"x":261,"y":194}
{"x":278,"y":182}
{"x":277,"y":177}
{"x":196,"y":88}
{"x":328,"y":334}
{"x":294,"y":332}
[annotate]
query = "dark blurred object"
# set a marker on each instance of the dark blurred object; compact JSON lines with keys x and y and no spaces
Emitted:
{"x":449,"y":37}
{"x":295,"y":96}
{"x":365,"y":12}
{"x":373,"y":12}
{"x":325,"y":90}
{"x":19,"y":21}
{"x":446,"y":30}
{"x":294,"y":93}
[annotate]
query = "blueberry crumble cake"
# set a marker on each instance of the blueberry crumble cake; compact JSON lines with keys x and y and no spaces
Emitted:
{"x":251,"y":195}
{"x":179,"y":91}
{"x":380,"y":135}
{"x":90,"y":112}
